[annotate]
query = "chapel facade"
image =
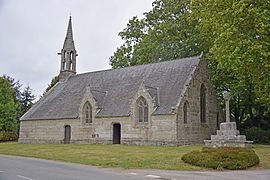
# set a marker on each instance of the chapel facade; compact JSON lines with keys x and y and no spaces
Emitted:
{"x":167,"y":103}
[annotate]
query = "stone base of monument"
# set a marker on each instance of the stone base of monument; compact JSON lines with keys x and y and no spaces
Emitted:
{"x":228,"y":136}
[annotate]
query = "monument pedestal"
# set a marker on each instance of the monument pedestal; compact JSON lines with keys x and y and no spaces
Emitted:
{"x":228,"y":136}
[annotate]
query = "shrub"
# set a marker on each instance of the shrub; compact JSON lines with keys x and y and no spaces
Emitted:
{"x":8,"y":136}
{"x":258,"y":135}
{"x":222,"y":158}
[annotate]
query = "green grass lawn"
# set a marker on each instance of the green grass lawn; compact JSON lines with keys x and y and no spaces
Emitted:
{"x":263,"y":151}
{"x":123,"y":156}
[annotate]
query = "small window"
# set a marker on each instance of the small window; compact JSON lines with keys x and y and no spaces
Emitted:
{"x":203,"y":103}
{"x":87,"y":112}
{"x":142,"y":110}
{"x":185,"y":112}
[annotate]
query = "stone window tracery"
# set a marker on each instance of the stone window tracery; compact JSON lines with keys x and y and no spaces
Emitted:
{"x":142,"y":110}
{"x":87,"y":112}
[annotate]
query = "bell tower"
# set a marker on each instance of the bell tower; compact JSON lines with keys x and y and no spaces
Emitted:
{"x":68,"y":55}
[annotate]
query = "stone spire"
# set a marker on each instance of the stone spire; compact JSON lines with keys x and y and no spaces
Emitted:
{"x":69,"y":42}
{"x":68,"y":55}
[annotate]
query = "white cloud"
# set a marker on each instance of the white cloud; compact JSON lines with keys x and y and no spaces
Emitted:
{"x":32,"y":33}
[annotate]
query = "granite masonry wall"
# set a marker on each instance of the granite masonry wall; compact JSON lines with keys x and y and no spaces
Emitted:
{"x":193,"y":131}
{"x":160,"y":131}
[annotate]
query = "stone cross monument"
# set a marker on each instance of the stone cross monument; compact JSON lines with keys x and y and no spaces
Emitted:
{"x":227,"y":106}
{"x":228,"y":135}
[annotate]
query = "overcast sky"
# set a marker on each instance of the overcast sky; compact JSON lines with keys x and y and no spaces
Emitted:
{"x":32,"y":33}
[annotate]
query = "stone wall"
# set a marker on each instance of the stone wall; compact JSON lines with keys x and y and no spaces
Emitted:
{"x":161,"y":130}
{"x":194,"y":129}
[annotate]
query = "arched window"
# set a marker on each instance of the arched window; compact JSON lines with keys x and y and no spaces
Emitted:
{"x":87,"y":112}
{"x":141,"y":110}
{"x":185,"y":112}
{"x":203,"y":103}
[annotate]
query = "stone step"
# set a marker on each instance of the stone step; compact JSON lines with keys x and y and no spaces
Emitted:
{"x":227,"y":143}
{"x":229,"y":137}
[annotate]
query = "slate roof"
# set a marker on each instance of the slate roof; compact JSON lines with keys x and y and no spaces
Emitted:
{"x":114,"y":89}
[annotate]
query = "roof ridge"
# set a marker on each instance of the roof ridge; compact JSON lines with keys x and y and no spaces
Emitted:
{"x":140,"y":65}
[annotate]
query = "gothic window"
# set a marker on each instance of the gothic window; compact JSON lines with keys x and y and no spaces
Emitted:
{"x":142,"y":110}
{"x":185,"y":112}
{"x":203,"y":103}
{"x":87,"y":112}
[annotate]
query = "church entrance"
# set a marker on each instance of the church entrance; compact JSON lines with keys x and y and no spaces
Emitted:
{"x":117,"y":133}
{"x":67,"y":134}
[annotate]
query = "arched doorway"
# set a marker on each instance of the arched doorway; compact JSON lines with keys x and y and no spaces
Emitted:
{"x":67,"y":134}
{"x":117,"y":133}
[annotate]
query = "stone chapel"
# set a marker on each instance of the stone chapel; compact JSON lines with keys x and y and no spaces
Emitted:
{"x":167,"y":103}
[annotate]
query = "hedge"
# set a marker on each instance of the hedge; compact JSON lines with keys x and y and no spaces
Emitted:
{"x":8,"y":136}
{"x":222,"y":158}
{"x":258,"y":135}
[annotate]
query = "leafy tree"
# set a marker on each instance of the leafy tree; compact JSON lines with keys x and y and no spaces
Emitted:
{"x":27,"y":100}
{"x":167,"y":32}
{"x":23,"y":100}
{"x":15,"y":87}
{"x":8,"y":108}
{"x":239,"y":33}
{"x":53,"y":82}
{"x":16,"y":93}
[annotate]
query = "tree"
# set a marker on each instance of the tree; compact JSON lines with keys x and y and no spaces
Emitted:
{"x":27,"y":100}
{"x":53,"y":82}
{"x":15,"y":87}
{"x":167,"y":32}
{"x":239,"y":53}
{"x":8,"y":108}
